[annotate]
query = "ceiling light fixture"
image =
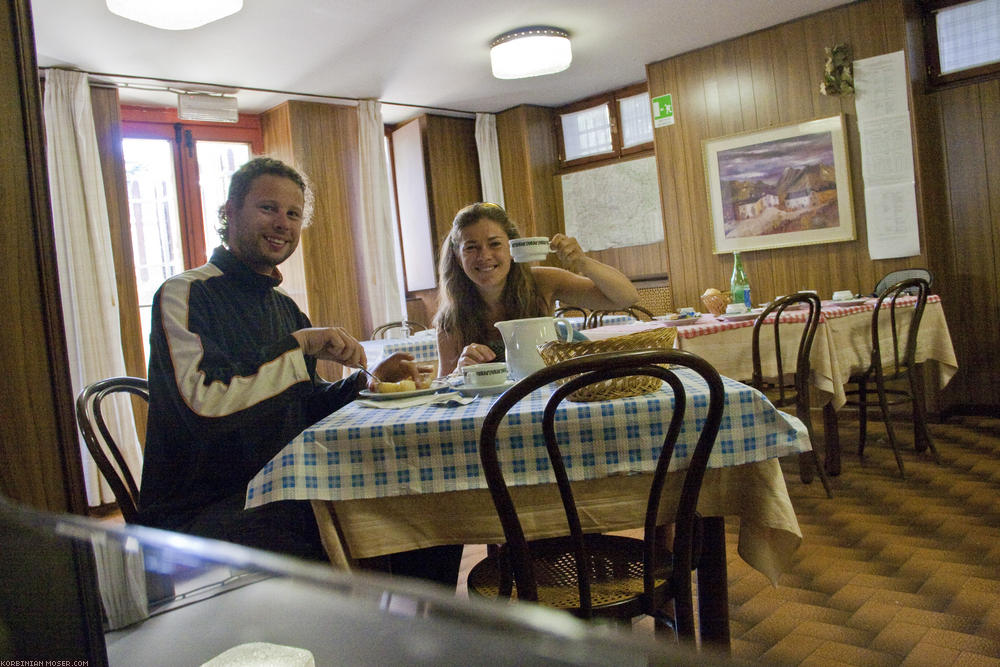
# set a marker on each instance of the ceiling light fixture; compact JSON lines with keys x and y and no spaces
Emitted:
{"x":531,"y":51}
{"x":174,"y":14}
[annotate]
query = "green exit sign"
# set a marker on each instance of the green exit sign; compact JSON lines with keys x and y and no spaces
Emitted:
{"x":663,"y":110}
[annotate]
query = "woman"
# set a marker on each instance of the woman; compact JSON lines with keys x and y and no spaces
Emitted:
{"x":481,"y":285}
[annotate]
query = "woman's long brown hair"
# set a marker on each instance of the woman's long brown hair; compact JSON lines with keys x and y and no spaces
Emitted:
{"x":461,"y":310}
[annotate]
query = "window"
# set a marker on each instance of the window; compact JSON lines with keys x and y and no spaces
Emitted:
{"x":177,"y":177}
{"x":606,"y":127}
{"x":962,"y":39}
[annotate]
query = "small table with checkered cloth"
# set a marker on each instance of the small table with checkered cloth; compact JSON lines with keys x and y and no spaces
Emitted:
{"x":389,"y":480}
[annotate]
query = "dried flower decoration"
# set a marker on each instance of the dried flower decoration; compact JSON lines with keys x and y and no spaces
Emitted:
{"x":838,"y":78}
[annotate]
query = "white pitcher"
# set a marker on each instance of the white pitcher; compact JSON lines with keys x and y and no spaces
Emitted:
{"x":521,"y":339}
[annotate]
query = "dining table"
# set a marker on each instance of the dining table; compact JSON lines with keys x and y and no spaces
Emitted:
{"x":842,"y":347}
{"x":388,"y":476}
{"x":422,"y":345}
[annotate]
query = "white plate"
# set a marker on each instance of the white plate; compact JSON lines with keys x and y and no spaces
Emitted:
{"x":485,"y":391}
{"x":393,"y":395}
{"x":738,"y":317}
{"x":846,"y":303}
{"x":680,"y":321}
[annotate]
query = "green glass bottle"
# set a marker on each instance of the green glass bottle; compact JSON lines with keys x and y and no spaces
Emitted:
{"x":739,"y":285}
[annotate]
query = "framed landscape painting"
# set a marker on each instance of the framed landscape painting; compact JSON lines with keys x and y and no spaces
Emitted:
{"x":780,"y":186}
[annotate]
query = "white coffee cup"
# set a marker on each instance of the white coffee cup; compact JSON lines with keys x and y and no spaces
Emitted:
{"x":485,"y":375}
{"x":735,"y":308}
{"x":529,"y":249}
{"x":843,"y":295}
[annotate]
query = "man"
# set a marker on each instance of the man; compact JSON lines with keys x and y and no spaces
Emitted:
{"x":232,"y":374}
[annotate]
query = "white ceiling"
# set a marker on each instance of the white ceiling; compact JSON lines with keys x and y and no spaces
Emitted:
{"x":433,"y":53}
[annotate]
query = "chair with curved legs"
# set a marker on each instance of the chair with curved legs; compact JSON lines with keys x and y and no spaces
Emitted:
{"x":894,"y":331}
{"x":407,"y":326}
{"x":593,"y":575}
{"x":792,"y":388}
{"x":102,"y":446}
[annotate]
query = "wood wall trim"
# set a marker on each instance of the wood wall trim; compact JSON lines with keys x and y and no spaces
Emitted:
{"x":39,"y":446}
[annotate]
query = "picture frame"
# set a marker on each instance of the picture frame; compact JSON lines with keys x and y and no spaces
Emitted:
{"x":780,"y":186}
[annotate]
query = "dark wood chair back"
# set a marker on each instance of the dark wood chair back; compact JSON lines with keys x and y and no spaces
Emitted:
{"x":572,"y":311}
{"x":596,"y":318}
{"x":581,"y":372}
{"x":794,"y":392}
{"x":409,"y":325}
{"x":102,"y":446}
{"x":894,"y":277}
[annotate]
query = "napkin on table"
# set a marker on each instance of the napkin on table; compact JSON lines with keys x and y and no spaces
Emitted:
{"x":446,"y":398}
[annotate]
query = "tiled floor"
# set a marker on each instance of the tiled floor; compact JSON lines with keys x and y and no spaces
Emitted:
{"x":891,"y":571}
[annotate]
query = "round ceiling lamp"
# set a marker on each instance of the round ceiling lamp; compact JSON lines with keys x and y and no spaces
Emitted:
{"x":174,"y":14}
{"x":531,"y":51}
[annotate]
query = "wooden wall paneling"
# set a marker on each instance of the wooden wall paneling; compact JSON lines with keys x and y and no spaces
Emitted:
{"x":528,"y":161}
{"x":39,"y":446}
{"x":664,"y":142}
{"x":452,"y":169}
{"x":745,"y":78}
{"x":515,"y":167}
{"x":546,"y":188}
{"x":990,"y":219}
{"x":835,"y":264}
{"x":690,"y":276}
{"x":776,"y":74}
{"x":325,"y":142}
{"x":989,"y":95}
{"x":322,"y":139}
{"x":974,"y":238}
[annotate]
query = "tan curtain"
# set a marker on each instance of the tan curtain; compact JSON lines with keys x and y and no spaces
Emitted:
{"x":381,"y":264}
{"x":86,"y":266}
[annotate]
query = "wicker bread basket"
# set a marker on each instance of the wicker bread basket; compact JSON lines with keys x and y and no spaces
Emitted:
{"x":652,"y":339}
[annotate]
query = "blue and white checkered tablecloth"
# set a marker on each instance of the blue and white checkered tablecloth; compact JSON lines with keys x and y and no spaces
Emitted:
{"x":423,"y":348}
{"x":360,"y":452}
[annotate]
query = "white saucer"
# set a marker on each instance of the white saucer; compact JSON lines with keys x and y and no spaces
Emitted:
{"x":491,"y":390}
{"x":738,"y":317}
{"x":680,"y":321}
{"x":845,"y":303}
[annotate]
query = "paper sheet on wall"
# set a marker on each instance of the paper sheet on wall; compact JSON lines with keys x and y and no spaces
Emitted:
{"x":880,"y":86}
{"x":614,"y":206}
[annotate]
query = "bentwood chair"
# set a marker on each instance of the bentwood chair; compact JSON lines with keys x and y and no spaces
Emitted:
{"x":593,"y":575}
{"x":408,"y":327}
{"x":108,"y":456}
{"x":571,"y":311}
{"x":596,"y":318}
{"x":894,"y":331}
{"x":105,"y":451}
{"x":791,"y":388}
{"x":894,"y":277}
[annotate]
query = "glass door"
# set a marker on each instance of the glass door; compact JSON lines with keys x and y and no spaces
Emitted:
{"x":177,"y":177}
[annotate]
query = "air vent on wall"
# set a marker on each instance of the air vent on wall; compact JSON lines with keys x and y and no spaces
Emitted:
{"x":215,"y":108}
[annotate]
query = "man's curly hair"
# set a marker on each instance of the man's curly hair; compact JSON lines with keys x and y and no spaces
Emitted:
{"x":244,"y":177}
